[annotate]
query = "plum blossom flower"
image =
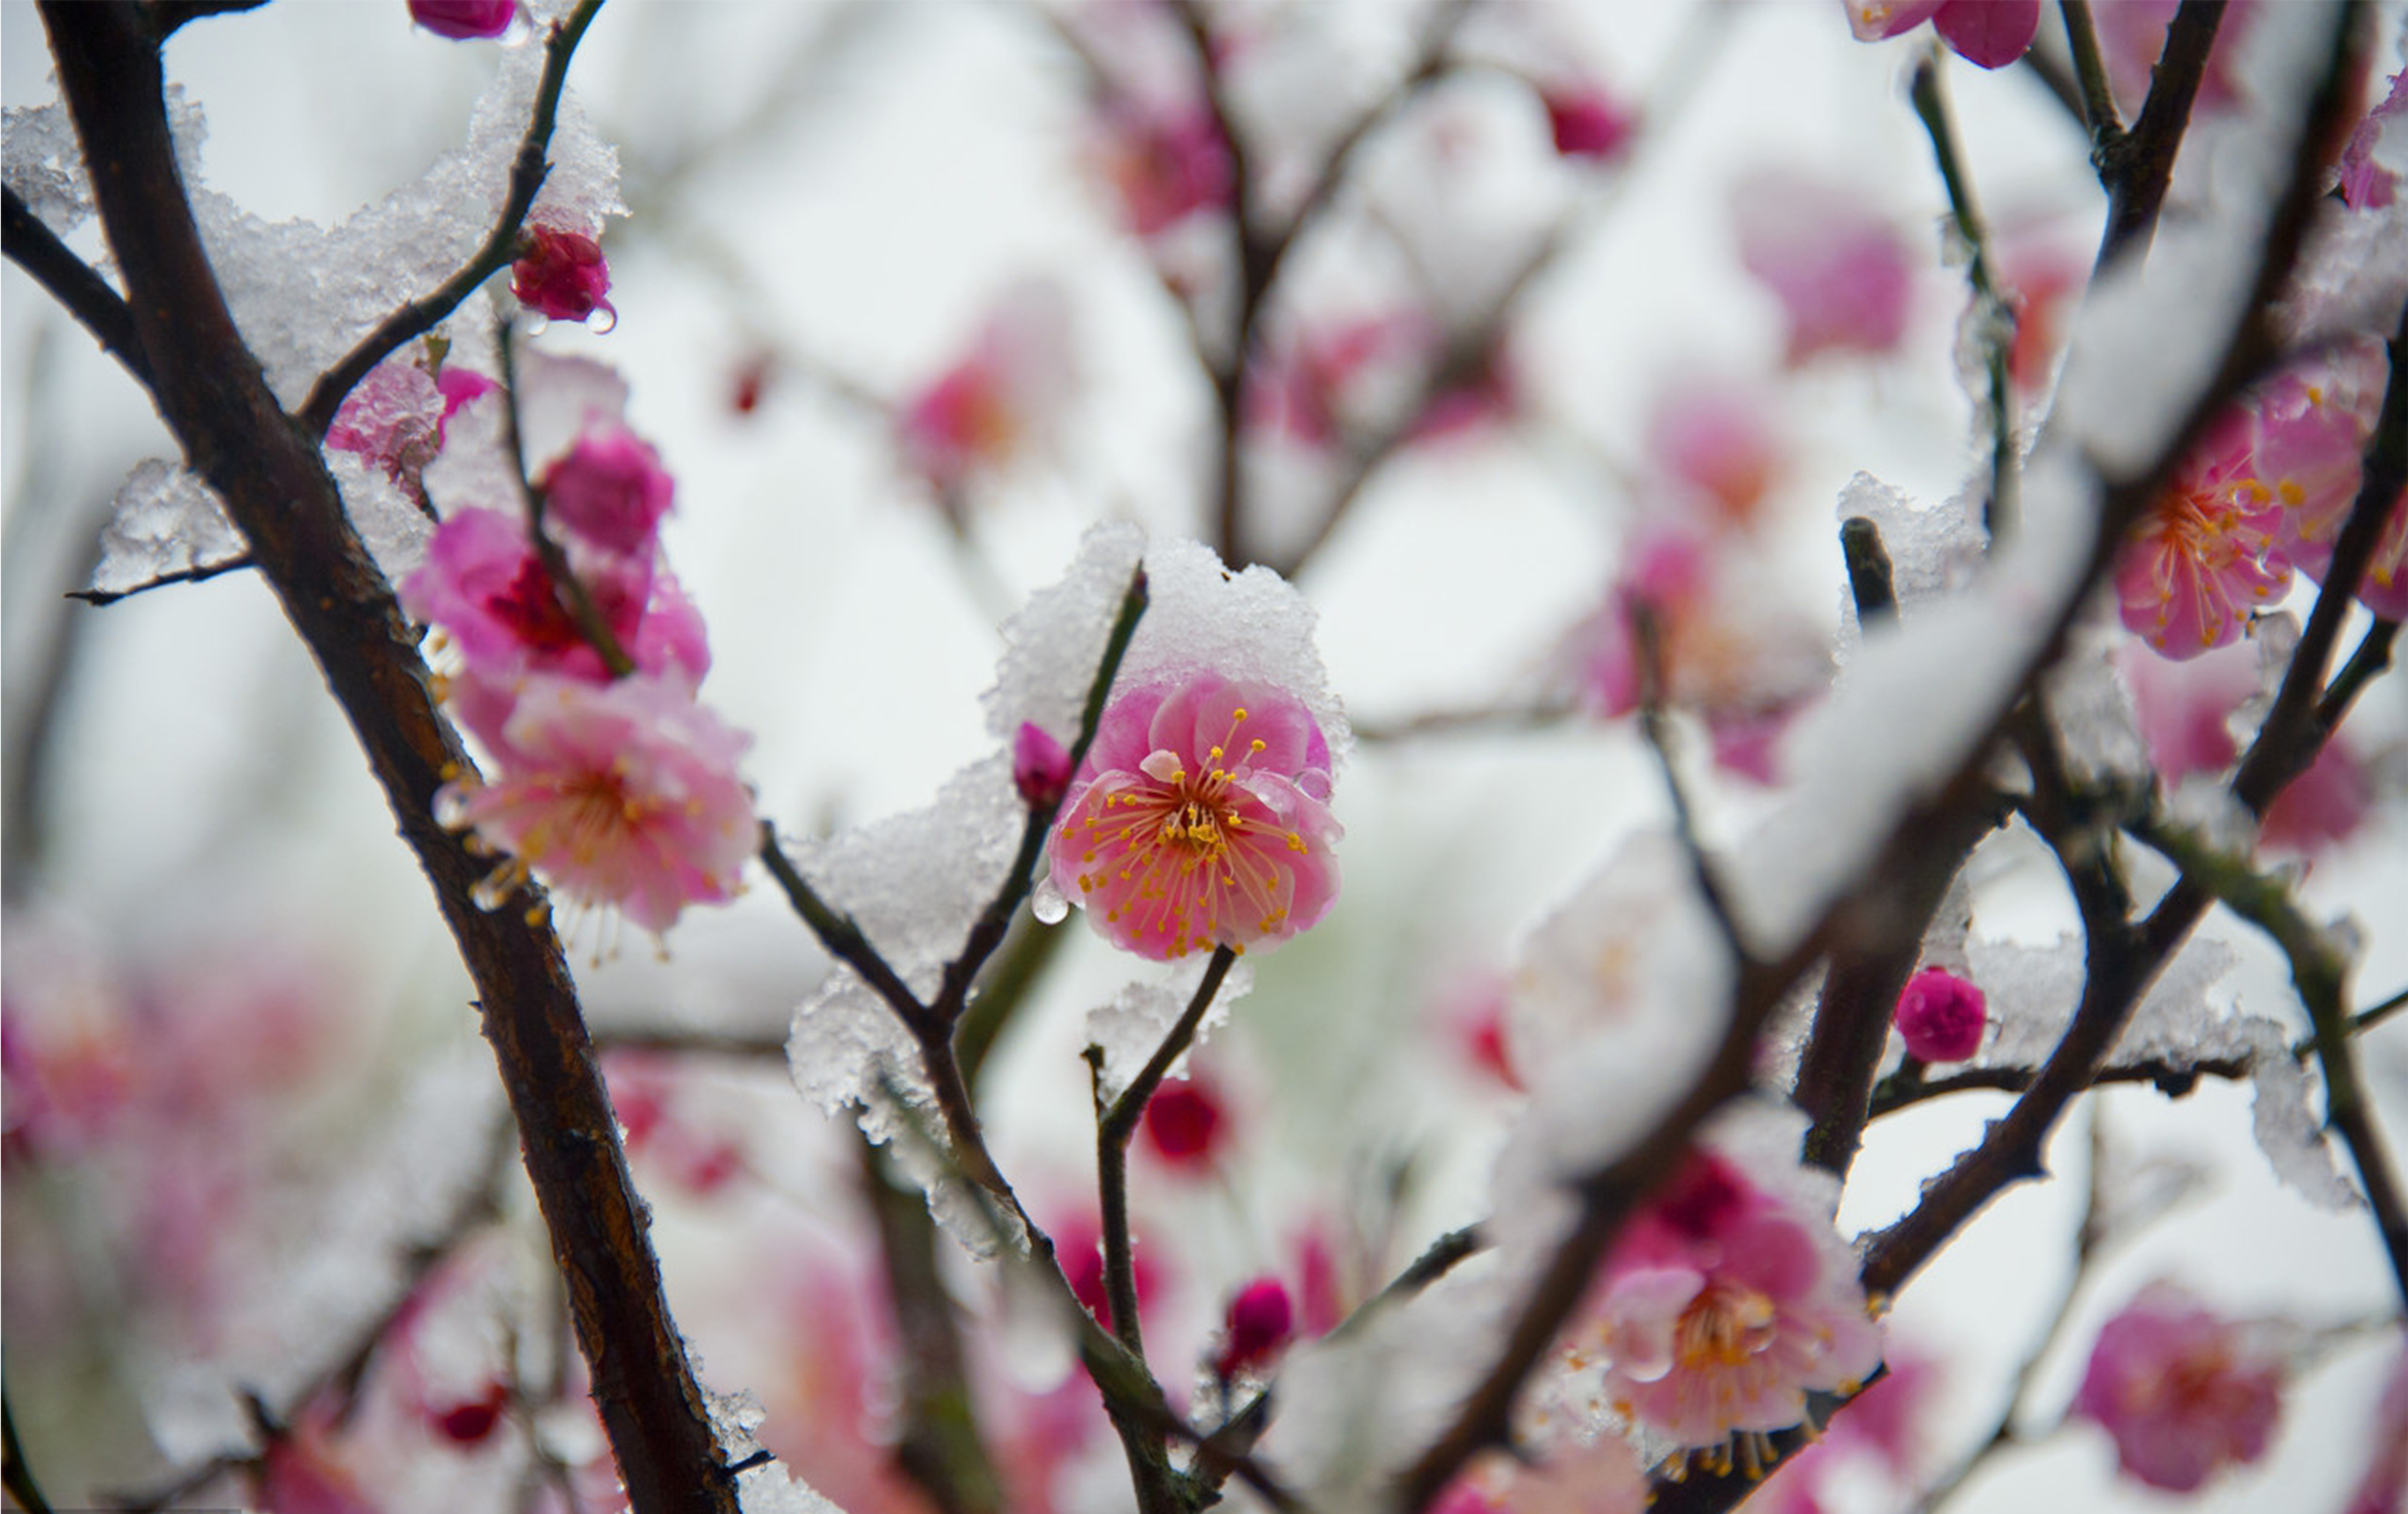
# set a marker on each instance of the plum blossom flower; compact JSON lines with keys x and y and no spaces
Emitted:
{"x":2183,"y":1390}
{"x":610,"y":489}
{"x":2365,"y":183}
{"x":1940,"y":1017}
{"x":2207,"y":551}
{"x":1165,"y":160}
{"x":1600,"y":1477}
{"x":2314,"y":424}
{"x":1989,"y":33}
{"x":1718,"y":445}
{"x":1199,"y":819}
{"x":1842,"y":272}
{"x":1003,"y":398}
{"x":464,"y":20}
{"x":392,"y":419}
{"x":1723,"y":1305}
{"x":621,"y":794}
{"x":1260,"y":1322}
{"x":1587,"y":123}
{"x":560,"y":274}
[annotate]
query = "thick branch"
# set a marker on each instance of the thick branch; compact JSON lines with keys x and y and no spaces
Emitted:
{"x":214,"y":396}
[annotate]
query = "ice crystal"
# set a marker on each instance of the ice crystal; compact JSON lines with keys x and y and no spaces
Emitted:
{"x":167,"y":520}
{"x":43,"y":163}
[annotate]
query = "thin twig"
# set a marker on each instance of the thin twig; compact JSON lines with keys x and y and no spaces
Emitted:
{"x":1993,"y":318}
{"x":2106,"y":125}
{"x":1647,"y":633}
{"x":419,"y":316}
{"x":187,"y":575}
{"x":33,"y":247}
{"x":568,"y":590}
{"x":2138,"y":166}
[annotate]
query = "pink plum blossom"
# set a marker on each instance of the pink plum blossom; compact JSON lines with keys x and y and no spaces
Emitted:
{"x":1165,"y":160}
{"x":1587,"y":123}
{"x":483,"y":584}
{"x":462,"y":19}
{"x":1260,"y":1322}
{"x":1940,"y":1017}
{"x":2365,"y":183}
{"x":621,"y":794}
{"x":2384,"y":1487}
{"x":610,"y":489}
{"x":2314,"y":424}
{"x":1003,"y":399}
{"x":1717,"y":443}
{"x":1201,"y":820}
{"x":561,"y":274}
{"x":1842,"y":271}
{"x":392,"y":419}
{"x":1990,"y":32}
{"x":1040,"y":766}
{"x":2183,"y":1390}
{"x":1723,"y":1305}
{"x":2206,"y":552}
{"x":1602,"y":1476}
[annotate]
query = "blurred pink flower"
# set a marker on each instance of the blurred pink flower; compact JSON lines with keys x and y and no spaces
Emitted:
{"x":1600,"y":1477}
{"x":621,"y":794}
{"x":1183,"y":1123}
{"x":1257,"y":1327}
{"x":2043,"y":280}
{"x":2314,"y":424}
{"x":392,"y":419}
{"x":1840,"y":270}
{"x":2132,"y":37}
{"x":1004,"y":398}
{"x":1308,"y":385}
{"x":1722,"y":1306}
{"x":1165,"y":159}
{"x":2384,"y":1489}
{"x":462,"y":20}
{"x":1718,"y":442}
{"x":2183,"y":1390}
{"x":1201,"y":820}
{"x":302,"y":1472}
{"x":610,"y":489}
{"x":1587,"y":123}
{"x":1940,"y":1017}
{"x":2322,"y":806}
{"x":1991,"y":33}
{"x":2206,"y":552}
{"x":561,"y":274}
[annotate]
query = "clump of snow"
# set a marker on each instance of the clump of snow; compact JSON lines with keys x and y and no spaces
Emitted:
{"x":1617,"y":1000}
{"x":1130,"y":1027}
{"x":167,"y":520}
{"x":304,"y":295}
{"x":768,"y":1489}
{"x":43,"y":163}
{"x":388,"y":520}
{"x":1052,"y":646}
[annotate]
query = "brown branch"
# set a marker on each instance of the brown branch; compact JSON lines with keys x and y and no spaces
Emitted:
{"x":2138,"y":166}
{"x":33,"y":247}
{"x":201,"y":574}
{"x":214,"y":396}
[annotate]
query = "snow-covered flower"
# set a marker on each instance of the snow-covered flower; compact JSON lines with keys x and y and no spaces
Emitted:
{"x":1940,"y":1017}
{"x":610,"y":489}
{"x":462,"y":20}
{"x":393,"y":418}
{"x":621,"y":794}
{"x":2206,"y":552}
{"x":2184,"y":1391}
{"x":1002,"y":399}
{"x":1722,"y":1306}
{"x":561,"y":274}
{"x":1842,"y":272}
{"x":1990,"y":32}
{"x":1201,"y":820}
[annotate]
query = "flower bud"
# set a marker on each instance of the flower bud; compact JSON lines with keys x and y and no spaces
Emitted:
{"x":464,"y":20}
{"x":561,"y":274}
{"x":1040,"y":767}
{"x":1941,"y":1016}
{"x":1259,"y":1327}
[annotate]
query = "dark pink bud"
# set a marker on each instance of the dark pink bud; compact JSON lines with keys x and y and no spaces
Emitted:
{"x":1260,"y":1323}
{"x":611,"y":490}
{"x":471,"y":1420}
{"x":561,"y":274}
{"x":460,"y":19}
{"x":1587,"y":125}
{"x":1183,"y":1123}
{"x":1040,"y":767}
{"x":1941,"y":1016}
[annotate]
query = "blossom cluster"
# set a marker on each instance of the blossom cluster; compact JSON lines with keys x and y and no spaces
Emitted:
{"x":610,"y":779}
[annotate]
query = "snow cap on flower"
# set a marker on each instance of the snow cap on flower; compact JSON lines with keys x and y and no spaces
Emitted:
{"x":1728,"y":1299}
{"x":1990,"y":32}
{"x":2206,"y":552}
{"x":393,"y":418}
{"x":1940,"y":1017}
{"x":2183,"y":1390}
{"x":1842,"y":271}
{"x":621,"y":795}
{"x":560,"y":273}
{"x":611,"y":490}
{"x":462,"y":19}
{"x":1200,"y":818}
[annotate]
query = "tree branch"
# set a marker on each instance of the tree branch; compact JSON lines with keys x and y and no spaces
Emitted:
{"x":50,"y":263}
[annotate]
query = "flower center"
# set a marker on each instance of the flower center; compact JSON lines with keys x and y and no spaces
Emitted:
{"x":1723,"y":1326}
